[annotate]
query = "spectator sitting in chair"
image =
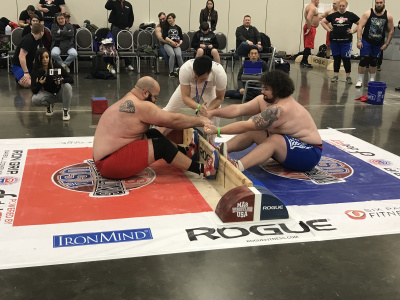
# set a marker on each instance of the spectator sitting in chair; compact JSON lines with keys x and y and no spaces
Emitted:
{"x":25,"y":16}
{"x":162,"y":18}
{"x":63,"y":42}
{"x":251,"y":93}
{"x":205,"y":42}
{"x":247,"y":37}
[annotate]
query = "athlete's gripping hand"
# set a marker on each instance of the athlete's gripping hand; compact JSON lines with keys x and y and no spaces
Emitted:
{"x":210,"y":129}
{"x":204,"y":120}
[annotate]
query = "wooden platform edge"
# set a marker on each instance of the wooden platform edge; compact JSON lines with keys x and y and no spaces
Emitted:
{"x":228,"y":176}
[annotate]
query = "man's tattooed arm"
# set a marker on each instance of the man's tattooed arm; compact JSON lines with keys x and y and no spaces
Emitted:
{"x":127,"y":107}
{"x":266,"y":118}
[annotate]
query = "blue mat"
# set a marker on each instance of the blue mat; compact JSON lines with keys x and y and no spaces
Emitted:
{"x":364,"y":182}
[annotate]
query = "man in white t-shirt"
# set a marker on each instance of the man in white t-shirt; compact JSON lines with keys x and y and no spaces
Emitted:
{"x":202,"y":87}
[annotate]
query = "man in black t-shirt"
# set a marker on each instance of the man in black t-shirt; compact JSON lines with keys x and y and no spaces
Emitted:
{"x":49,"y":9}
{"x":25,"y":16}
{"x":24,"y":55}
{"x":205,"y":42}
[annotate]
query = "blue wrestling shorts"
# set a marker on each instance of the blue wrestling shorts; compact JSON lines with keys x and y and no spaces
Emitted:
{"x":301,"y":156}
{"x":368,"y":49}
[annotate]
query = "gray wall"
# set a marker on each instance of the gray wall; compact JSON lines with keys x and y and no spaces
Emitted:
{"x":282,"y":20}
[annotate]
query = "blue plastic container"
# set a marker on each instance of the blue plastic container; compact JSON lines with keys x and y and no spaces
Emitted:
{"x":376,"y":92}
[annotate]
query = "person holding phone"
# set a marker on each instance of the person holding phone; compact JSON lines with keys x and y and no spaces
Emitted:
{"x":50,"y":84}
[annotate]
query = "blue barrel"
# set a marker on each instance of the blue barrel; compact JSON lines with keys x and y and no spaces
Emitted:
{"x":376,"y":92}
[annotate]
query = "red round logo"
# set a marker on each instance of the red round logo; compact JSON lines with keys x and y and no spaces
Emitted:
{"x":356,"y":214}
{"x":7,"y":180}
{"x":328,"y":170}
{"x":84,"y":177}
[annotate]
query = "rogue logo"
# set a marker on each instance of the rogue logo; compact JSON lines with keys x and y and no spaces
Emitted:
{"x":85,"y":177}
{"x":259,"y":230}
{"x":356,"y":214}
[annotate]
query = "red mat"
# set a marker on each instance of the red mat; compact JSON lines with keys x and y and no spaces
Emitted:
{"x":42,"y":201}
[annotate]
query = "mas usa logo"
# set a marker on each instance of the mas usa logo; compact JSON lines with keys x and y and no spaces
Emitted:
{"x":328,"y":170}
{"x":84,"y":177}
{"x":380,"y":162}
{"x":7,"y":180}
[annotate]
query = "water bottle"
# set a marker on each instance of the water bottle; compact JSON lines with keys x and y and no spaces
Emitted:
{"x":8,"y":30}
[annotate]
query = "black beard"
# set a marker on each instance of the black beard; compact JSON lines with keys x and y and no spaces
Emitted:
{"x":270,"y":101}
{"x":149,"y":99}
{"x":379,"y":10}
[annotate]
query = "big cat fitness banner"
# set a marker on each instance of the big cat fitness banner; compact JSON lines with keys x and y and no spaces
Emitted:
{"x":56,"y":208}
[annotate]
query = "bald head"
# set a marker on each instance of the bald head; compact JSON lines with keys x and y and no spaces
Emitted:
{"x":147,"y":88}
{"x":147,"y":83}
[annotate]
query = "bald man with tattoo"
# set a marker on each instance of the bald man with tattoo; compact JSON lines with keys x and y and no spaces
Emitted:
{"x":280,"y":126}
{"x":124,"y":145}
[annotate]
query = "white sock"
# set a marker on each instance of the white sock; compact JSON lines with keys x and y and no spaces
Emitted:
{"x":360,"y":77}
{"x":371,"y":77}
{"x":240,"y":165}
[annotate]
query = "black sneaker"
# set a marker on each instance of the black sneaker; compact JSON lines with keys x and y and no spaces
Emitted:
{"x":49,"y":110}
{"x":378,"y":68}
{"x":398,"y":88}
{"x":66,"y":115}
{"x":173,"y":74}
{"x":304,"y":65}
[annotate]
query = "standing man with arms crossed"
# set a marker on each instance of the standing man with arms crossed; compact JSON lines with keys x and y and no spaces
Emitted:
{"x":309,"y":31}
{"x":121,"y":17}
{"x":124,"y":145}
{"x":281,"y":127}
{"x":375,"y":22}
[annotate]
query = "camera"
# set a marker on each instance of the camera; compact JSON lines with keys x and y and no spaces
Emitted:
{"x":55,"y":72}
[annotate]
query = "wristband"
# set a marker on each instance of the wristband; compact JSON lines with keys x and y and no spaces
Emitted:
{"x":26,"y":72}
{"x":219,"y":132}
{"x":358,"y":40}
{"x":198,"y":107}
{"x":169,"y":43}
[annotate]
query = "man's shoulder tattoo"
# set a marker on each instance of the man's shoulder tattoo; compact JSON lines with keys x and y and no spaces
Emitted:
{"x":266,"y":118}
{"x":127,"y":107}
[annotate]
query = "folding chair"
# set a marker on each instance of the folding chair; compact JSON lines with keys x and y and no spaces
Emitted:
{"x":145,"y":37}
{"x":188,"y":51}
{"x":16,"y":37}
{"x":83,"y":45}
{"x":125,"y":46}
{"x":223,"y":53}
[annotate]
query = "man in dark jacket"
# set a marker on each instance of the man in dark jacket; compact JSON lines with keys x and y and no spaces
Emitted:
{"x":205,"y":42}
{"x":251,"y":93}
{"x":247,"y":37}
{"x":63,"y":42}
{"x":121,"y":18}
